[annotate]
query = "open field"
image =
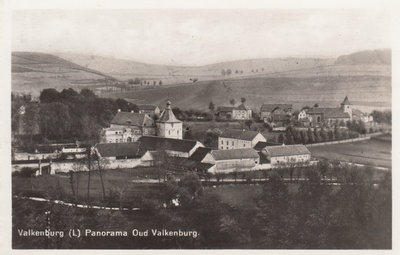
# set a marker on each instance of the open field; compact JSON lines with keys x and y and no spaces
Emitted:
{"x":328,"y":91}
{"x":57,"y":186}
{"x":376,"y":152}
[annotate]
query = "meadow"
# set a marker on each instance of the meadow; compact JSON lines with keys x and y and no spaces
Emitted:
{"x":376,"y":151}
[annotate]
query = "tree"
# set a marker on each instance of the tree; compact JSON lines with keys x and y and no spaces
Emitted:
{"x":211,"y":106}
{"x":281,"y":138}
{"x":229,"y":72}
{"x":248,"y":123}
{"x":232,"y":101}
{"x":160,"y":83}
{"x":102,"y":164}
{"x":310,"y":134}
{"x":243,"y":100}
{"x":49,"y":96}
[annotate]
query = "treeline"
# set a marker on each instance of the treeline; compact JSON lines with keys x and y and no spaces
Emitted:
{"x":382,"y":116}
{"x":295,"y":136}
{"x":69,"y":115}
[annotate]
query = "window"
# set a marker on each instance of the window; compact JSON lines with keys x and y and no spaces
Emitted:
{"x":233,"y":143}
{"x":169,"y":132}
{"x":222,"y":142}
{"x":222,"y":147}
{"x":227,"y":143}
{"x":244,"y":145}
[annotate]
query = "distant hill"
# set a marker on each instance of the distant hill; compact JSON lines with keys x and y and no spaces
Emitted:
{"x":368,"y":57}
{"x":32,"y":72}
{"x":126,"y":69}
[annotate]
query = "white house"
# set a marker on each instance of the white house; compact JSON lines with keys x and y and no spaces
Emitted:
{"x":231,"y":160}
{"x":286,"y":154}
{"x":242,"y":112}
{"x":239,"y":139}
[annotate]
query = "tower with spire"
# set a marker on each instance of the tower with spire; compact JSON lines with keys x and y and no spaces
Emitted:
{"x":346,"y":106}
{"x":168,"y":125}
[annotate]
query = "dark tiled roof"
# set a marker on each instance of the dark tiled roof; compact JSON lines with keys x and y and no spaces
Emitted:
{"x":358,"y":113}
{"x":261,"y":145}
{"x":146,"y":107}
{"x":286,"y":150}
{"x":118,"y":149}
{"x":132,"y":119}
{"x":329,"y":112}
{"x":271,"y":107}
{"x":225,"y":108}
{"x":190,"y":163}
{"x":168,"y":116}
{"x":200,"y":153}
{"x":234,"y":154}
{"x":239,"y":134}
{"x":153,"y":143}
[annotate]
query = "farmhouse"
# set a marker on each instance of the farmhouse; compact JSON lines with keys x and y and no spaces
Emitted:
{"x":128,"y":127}
{"x":239,"y":139}
{"x":174,"y":147}
{"x":232,"y":160}
{"x":286,"y":154}
{"x":117,"y":151}
{"x":151,"y":110}
{"x":241,"y":112}
{"x":275,"y":112}
{"x":364,"y":117}
{"x":168,"y":125}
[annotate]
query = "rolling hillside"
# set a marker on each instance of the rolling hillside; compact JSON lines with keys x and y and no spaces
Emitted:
{"x":125,"y":69}
{"x":32,"y":72}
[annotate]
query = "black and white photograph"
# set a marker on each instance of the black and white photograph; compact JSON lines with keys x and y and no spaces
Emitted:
{"x":200,"y":128}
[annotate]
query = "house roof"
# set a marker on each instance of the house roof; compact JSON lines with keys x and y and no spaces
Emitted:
{"x":225,"y":108}
{"x":234,"y":154}
{"x":358,"y":113}
{"x":167,"y":116}
{"x":346,"y":101}
{"x":154,"y":143}
{"x":242,"y":107}
{"x":286,"y":150}
{"x":239,"y":134}
{"x":261,"y":145}
{"x":147,"y":107}
{"x":118,"y":149}
{"x":132,"y":119}
{"x":200,"y":153}
{"x":271,"y":107}
{"x":190,"y":163}
{"x":329,"y":112}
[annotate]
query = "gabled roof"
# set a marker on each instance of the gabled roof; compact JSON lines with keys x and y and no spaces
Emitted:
{"x":239,"y":134}
{"x":242,"y":107}
{"x":329,"y":112}
{"x":286,"y":150}
{"x":225,"y":108}
{"x":147,"y":107}
{"x":132,"y":119}
{"x":154,"y":143}
{"x":261,"y":145}
{"x":200,"y":153}
{"x":346,"y":101}
{"x":190,"y":163}
{"x":358,"y":113}
{"x":118,"y":149}
{"x":234,"y":154}
{"x":271,"y":107}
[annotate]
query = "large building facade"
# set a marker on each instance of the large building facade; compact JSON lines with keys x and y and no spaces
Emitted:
{"x":168,"y":125}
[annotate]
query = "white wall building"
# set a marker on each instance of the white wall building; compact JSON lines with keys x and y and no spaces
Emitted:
{"x":239,"y":139}
{"x":168,"y":125}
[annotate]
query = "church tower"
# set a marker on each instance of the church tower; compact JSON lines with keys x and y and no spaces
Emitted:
{"x":347,"y":107}
{"x":168,"y":125}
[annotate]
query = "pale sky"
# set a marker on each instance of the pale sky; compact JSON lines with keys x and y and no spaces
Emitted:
{"x":198,"y":37}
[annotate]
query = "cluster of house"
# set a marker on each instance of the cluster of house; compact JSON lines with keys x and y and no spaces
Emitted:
{"x":135,"y":139}
{"x":278,"y":115}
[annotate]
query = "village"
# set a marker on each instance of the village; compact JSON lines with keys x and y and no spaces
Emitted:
{"x":152,"y":137}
